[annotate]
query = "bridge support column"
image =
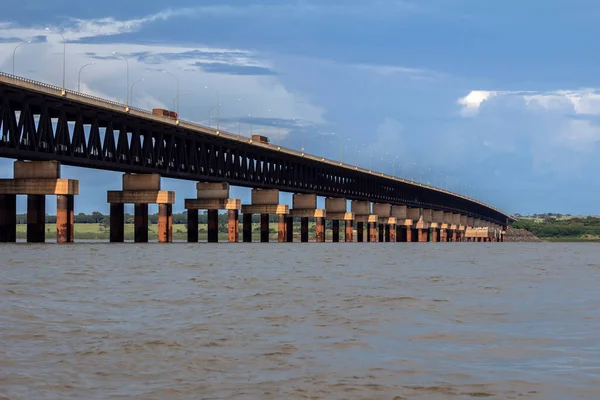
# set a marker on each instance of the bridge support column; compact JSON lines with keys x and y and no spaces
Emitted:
{"x":264,"y":202}
{"x":36,"y":218}
{"x":423,"y":235}
{"x":412,"y":235}
{"x":264,"y":228}
{"x":213,"y":197}
{"x":372,"y":232}
{"x":140,"y":222}
{"x":335,"y":228}
{"x":320,"y":229}
{"x":141,"y":190}
{"x":36,"y":180}
{"x":281,"y":228}
{"x":360,"y":232}
{"x":233,"y":226}
{"x":192,"y":226}
{"x":304,"y":229}
{"x":435,"y":235}
{"x":391,"y":233}
{"x":289,"y":229}
{"x":165,"y":223}
{"x":213,"y":226}
{"x":453,"y":235}
{"x":117,"y":223}
{"x":349,"y":231}
{"x":8,"y":218}
{"x":247,"y":227}
{"x":64,"y":219}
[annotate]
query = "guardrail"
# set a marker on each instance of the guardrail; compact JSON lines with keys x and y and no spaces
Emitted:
{"x":208,"y":130}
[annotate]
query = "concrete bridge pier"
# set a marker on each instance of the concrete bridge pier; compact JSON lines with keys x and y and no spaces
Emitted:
{"x":362,"y":214}
{"x":264,"y":202}
{"x":384,"y":214}
{"x":213,"y":197}
{"x":403,"y":223}
{"x":37,"y":179}
{"x":304,"y":206}
{"x":335,"y":209}
{"x":141,"y":190}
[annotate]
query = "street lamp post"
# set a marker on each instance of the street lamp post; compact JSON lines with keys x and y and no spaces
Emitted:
{"x":64,"y":56}
{"x":79,"y":75}
{"x":127,"y":88}
{"x":14,"y":51}
{"x":218,"y":105}
{"x":177,"y":80}
{"x":132,"y":86}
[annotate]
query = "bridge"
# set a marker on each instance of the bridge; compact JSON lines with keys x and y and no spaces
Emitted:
{"x":44,"y":127}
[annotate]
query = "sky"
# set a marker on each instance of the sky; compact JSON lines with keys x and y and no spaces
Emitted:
{"x":497,"y":100}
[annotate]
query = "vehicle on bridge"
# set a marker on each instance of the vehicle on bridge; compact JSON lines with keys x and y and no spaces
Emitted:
{"x":261,"y":139}
{"x":164,"y":113}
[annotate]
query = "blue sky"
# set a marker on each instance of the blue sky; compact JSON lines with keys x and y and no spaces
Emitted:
{"x":496,"y":99}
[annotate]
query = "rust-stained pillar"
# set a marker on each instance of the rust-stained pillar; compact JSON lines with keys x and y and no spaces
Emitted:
{"x":232,"y":226}
{"x":64,"y":219}
{"x":165,"y":223}
{"x":335,"y":228}
{"x":453,"y":236}
{"x":349,"y":232}
{"x":304,"y":229}
{"x":320,"y":229}
{"x":247,"y":228}
{"x":392,"y":234}
{"x":264,"y":228}
{"x":36,"y":218}
{"x":192,"y":226}
{"x":71,"y":222}
{"x":423,"y":235}
{"x":281,"y":228}
{"x":409,"y":234}
{"x":117,"y":223}
{"x":140,"y":227}
{"x":435,"y":235}
{"x":213,"y":225}
{"x":372,"y":232}
{"x":444,"y":235}
{"x":289,"y":226}
{"x":360,"y":232}
{"x":382,"y":232}
{"x":8,"y":218}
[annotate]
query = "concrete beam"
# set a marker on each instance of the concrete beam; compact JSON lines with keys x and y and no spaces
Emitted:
{"x":427,"y":215}
{"x":36,"y":169}
{"x":366,"y":218}
{"x":265,"y":209}
{"x":265,"y":197}
{"x":140,"y":182}
{"x":413,"y":213}
{"x":382,"y":210}
{"x":38,"y":186}
{"x":456,"y":219}
{"x":339,"y":216}
{"x":141,"y":197}
{"x":308,"y":213}
{"x":400,"y":212}
{"x":304,"y":201}
{"x":212,"y":204}
{"x":212,"y":191}
{"x":361,"y":207}
{"x":335,"y":205}
{"x":437,"y":216}
{"x":464,"y":220}
{"x":387,"y":220}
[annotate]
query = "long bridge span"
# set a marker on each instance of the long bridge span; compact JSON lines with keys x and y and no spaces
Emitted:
{"x":44,"y":123}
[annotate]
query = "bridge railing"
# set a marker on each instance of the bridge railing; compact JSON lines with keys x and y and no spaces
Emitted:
{"x":206,"y":129}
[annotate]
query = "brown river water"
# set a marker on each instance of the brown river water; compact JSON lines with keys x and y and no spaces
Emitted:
{"x":300,"y":321}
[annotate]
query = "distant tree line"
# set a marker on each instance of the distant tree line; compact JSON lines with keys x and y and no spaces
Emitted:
{"x":551,"y":227}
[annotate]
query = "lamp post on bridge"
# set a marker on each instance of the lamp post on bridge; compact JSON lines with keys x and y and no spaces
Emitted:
{"x":132,"y":86}
{"x":177,"y":81}
{"x":218,"y":105}
{"x":127,"y":88}
{"x":14,"y":51}
{"x":64,"y":57}
{"x":79,"y":75}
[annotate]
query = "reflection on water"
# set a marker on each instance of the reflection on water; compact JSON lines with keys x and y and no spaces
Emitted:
{"x":299,"y":321}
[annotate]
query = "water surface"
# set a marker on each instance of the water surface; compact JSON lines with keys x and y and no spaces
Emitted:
{"x":300,"y":321}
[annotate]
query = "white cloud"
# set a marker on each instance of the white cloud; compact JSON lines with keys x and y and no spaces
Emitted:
{"x":107,"y":78}
{"x":580,"y":136}
{"x":582,"y":102}
{"x":472,"y":102}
